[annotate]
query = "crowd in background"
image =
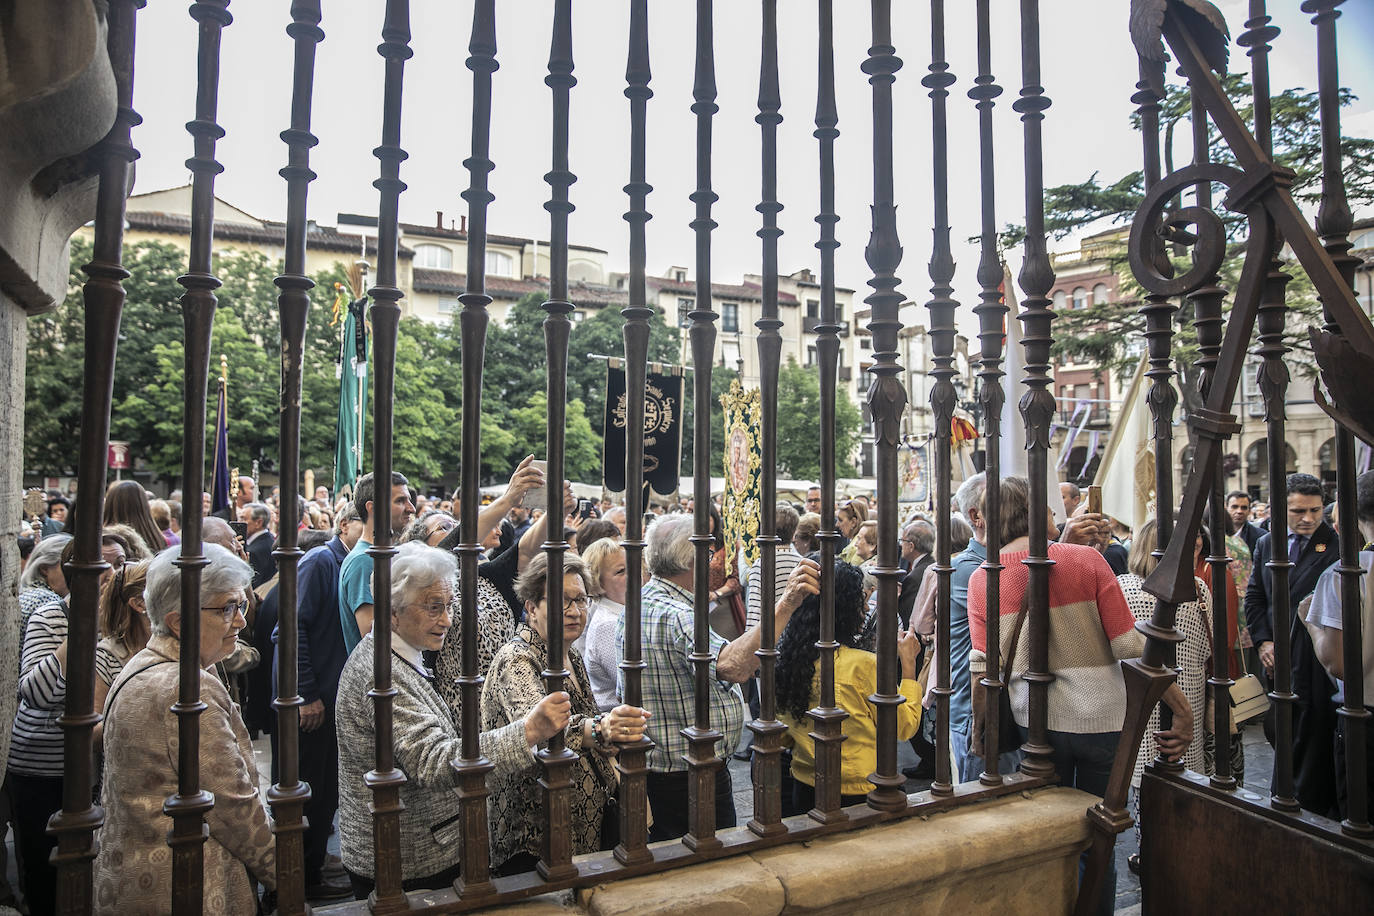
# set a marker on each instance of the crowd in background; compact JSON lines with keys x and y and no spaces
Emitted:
{"x":1096,"y":597}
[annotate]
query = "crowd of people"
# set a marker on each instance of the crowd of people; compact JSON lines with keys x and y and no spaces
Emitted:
{"x":1096,"y":598}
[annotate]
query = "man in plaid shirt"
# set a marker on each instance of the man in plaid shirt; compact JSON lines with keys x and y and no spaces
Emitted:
{"x":666,"y":627}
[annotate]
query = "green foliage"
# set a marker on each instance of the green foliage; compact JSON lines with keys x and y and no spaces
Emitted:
{"x":799,"y":407}
{"x":148,"y":391}
{"x":427,"y":440}
{"x":1100,"y":335}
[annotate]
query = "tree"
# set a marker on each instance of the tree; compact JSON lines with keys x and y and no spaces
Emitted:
{"x":799,"y":409}
{"x":148,"y":388}
{"x":1100,"y":335}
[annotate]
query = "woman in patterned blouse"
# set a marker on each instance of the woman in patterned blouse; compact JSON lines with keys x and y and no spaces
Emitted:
{"x":513,"y":687}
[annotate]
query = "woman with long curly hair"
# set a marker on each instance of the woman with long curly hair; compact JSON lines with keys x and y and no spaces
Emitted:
{"x":856,"y":678}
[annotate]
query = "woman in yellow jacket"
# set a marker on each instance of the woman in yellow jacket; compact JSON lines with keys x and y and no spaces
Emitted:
{"x":799,"y":687}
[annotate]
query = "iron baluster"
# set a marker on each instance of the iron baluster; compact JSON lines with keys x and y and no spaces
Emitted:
{"x":1208,"y":322}
{"x":942,"y":308}
{"x":556,"y":760}
{"x":768,"y":731}
{"x":886,"y":403}
{"x":631,"y":761}
{"x":1334,"y":222}
{"x":828,"y":718}
{"x":386,"y":779}
{"x":1158,"y":311}
{"x":1148,"y":677}
{"x":1037,"y":407}
{"x":992,"y":318}
{"x":471,"y":769}
{"x":702,"y":760}
{"x":190,"y":805}
{"x":289,"y":796}
{"x":76,"y":824}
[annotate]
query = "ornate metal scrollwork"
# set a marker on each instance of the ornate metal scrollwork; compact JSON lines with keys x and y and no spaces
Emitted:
{"x":1154,"y":224}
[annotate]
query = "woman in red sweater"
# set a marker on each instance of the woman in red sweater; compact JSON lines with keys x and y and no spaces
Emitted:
{"x":1091,"y":630}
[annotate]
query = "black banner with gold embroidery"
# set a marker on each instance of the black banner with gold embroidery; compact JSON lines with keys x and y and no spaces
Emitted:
{"x":662,"y":431}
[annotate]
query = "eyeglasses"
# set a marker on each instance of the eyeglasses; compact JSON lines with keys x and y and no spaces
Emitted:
{"x":229,"y":611}
{"x":580,"y":604}
{"x":435,"y":609}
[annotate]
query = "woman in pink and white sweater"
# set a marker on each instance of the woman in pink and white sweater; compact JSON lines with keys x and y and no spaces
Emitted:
{"x":1091,"y":630}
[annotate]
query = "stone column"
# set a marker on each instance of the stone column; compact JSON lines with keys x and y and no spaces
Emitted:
{"x":57,"y":100}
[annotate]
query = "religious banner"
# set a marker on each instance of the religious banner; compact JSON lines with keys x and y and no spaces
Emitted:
{"x":743,"y":463}
{"x":915,"y":474}
{"x":662,"y":430}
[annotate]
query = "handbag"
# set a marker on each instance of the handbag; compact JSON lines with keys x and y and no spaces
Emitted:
{"x":1248,"y":698}
{"x":1008,"y":738}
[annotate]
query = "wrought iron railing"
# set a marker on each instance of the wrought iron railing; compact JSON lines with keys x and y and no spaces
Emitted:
{"x":1255,"y":186}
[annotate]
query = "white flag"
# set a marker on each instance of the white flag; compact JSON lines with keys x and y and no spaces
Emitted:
{"x":1127,"y":472}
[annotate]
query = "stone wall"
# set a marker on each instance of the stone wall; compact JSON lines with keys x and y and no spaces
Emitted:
{"x":57,"y":100}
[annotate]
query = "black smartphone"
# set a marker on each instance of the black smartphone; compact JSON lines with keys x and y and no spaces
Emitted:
{"x":240,"y":530}
{"x":584,"y":508}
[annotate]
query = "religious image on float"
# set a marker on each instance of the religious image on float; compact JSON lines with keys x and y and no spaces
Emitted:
{"x":743,"y":412}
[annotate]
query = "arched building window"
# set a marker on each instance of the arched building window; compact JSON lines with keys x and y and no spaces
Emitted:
{"x":1100,"y":292}
{"x":1080,"y":297}
{"x":436,"y":257}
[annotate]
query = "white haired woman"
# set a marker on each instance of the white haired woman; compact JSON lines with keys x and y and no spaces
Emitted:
{"x":513,"y":686}
{"x":133,"y":871}
{"x":605,"y":561}
{"x":425,"y":735}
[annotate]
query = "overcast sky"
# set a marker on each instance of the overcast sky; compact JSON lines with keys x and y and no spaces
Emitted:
{"x":1089,"y":74}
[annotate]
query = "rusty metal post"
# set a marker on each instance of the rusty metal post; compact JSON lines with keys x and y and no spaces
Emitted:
{"x":1037,"y":407}
{"x":556,"y":760}
{"x":943,"y":398}
{"x":992,"y":318}
{"x":189,"y":806}
{"x":702,"y":761}
{"x":75,"y":825}
{"x":828,"y":718}
{"x":471,"y":769}
{"x":886,"y":402}
{"x":768,"y":731}
{"x":385,"y":779}
{"x":289,"y":796}
{"x":1334,"y":222}
{"x":631,"y":761}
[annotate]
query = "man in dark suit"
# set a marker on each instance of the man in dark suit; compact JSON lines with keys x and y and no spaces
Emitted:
{"x":1238,"y":507}
{"x":1311,"y":547}
{"x":918,"y":542}
{"x":258,"y":541}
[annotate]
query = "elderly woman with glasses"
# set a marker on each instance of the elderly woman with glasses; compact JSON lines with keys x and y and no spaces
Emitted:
{"x":133,"y":872}
{"x":513,"y":686}
{"x":426,"y":737}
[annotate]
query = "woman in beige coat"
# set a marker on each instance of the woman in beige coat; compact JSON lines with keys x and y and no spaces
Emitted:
{"x":133,"y":870}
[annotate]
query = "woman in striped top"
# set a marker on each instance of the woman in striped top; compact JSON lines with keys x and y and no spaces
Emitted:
{"x":35,"y":759}
{"x":42,"y":582}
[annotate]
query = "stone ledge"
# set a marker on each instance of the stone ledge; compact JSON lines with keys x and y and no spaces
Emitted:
{"x":1019,"y":852}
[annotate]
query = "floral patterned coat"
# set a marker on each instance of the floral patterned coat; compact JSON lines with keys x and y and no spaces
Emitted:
{"x":514,"y":810}
{"x":133,"y":871}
